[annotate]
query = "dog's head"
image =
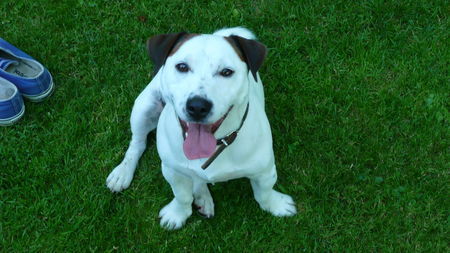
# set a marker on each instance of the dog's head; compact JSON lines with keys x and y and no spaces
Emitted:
{"x":203,"y":76}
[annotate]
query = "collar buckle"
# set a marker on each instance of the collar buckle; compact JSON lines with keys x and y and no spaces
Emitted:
{"x":224,"y":142}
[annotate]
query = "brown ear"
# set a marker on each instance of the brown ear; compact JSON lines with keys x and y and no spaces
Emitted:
{"x":160,"y":46}
{"x":253,"y":52}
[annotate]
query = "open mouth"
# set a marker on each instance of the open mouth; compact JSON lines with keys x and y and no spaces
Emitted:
{"x":199,"y":140}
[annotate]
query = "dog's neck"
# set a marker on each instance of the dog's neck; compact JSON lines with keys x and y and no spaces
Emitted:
{"x":233,"y":120}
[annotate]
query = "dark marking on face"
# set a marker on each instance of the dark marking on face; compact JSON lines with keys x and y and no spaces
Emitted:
{"x":235,"y":47}
{"x":182,"y":41}
{"x":252,"y":51}
{"x":160,"y":46}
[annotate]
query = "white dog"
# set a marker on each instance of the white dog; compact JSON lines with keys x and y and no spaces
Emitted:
{"x":207,"y":102}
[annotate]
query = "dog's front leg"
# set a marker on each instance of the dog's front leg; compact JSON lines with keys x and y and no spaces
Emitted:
{"x":277,"y":203}
{"x":144,"y":118}
{"x":175,"y":214}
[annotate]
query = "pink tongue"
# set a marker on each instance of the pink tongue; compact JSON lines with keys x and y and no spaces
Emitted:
{"x":200,"y":142}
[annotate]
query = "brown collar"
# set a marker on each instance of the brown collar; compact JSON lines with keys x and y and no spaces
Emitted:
{"x":222,"y":142}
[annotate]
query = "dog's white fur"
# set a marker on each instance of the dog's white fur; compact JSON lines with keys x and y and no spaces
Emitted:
{"x":251,"y":155}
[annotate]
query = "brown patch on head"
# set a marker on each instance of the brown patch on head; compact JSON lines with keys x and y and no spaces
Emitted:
{"x":235,"y":47}
{"x":164,"y":45}
{"x":182,"y":41}
{"x":160,"y":46}
{"x":251,"y":52}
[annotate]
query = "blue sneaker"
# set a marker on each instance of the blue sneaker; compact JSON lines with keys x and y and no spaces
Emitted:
{"x":32,"y":79}
{"x":11,"y":103}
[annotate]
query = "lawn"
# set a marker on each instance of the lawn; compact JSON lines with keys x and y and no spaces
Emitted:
{"x":357,"y":94}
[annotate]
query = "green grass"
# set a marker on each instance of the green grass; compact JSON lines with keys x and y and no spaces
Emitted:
{"x":358,"y":99}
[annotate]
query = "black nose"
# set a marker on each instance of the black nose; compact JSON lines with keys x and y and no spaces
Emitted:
{"x":198,"y":107}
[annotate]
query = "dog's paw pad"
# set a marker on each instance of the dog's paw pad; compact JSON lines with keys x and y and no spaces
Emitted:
{"x":205,"y":212}
{"x":205,"y":207}
{"x":173,"y":216}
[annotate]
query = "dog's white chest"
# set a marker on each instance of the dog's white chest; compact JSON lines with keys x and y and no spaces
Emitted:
{"x":228,"y":165}
{"x":251,"y":150}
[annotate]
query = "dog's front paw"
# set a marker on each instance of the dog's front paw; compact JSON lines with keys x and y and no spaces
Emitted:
{"x":279,"y":204}
{"x":120,"y":178}
{"x":174,"y":215}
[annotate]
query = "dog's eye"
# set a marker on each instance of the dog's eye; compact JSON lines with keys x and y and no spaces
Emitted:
{"x":226,"y":72}
{"x":182,"y":67}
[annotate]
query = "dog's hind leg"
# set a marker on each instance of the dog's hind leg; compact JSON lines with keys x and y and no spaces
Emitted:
{"x":203,"y":200}
{"x":275,"y":202}
{"x":144,"y":118}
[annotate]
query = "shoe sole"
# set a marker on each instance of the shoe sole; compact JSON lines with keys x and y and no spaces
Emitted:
{"x":41,"y":97}
{"x":12,"y":120}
